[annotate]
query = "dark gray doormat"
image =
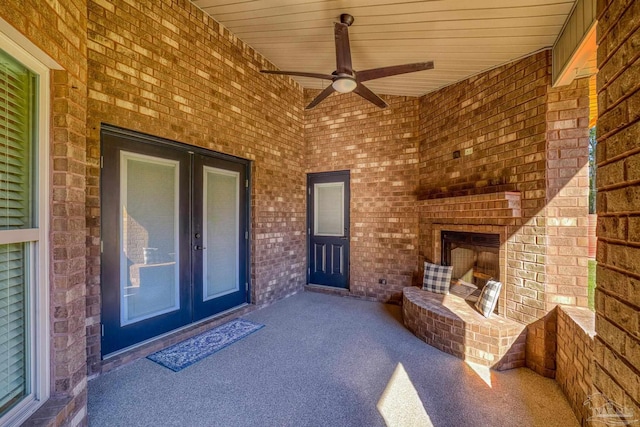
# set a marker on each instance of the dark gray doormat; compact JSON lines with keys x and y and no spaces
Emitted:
{"x":192,"y":350}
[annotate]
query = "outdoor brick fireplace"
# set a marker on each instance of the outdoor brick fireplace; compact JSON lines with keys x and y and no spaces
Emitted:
{"x":483,"y":221}
{"x":523,"y":254}
{"x":505,"y":153}
{"x":476,"y":235}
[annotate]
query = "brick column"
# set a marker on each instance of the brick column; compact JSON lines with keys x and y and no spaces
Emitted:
{"x":567,"y":195}
{"x":566,"y":216}
{"x":617,"y":345}
{"x":67,"y":277}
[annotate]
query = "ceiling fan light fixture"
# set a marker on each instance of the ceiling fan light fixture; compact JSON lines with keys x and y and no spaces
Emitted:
{"x":343,"y":79}
{"x":344,"y":84}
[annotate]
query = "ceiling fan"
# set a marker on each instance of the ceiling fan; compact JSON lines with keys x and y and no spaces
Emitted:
{"x":344,"y":79}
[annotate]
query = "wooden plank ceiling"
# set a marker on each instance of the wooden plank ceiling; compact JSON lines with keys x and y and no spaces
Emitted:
{"x":462,"y":37}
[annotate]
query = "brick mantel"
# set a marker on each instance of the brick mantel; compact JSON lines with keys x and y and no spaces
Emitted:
{"x":490,"y":207}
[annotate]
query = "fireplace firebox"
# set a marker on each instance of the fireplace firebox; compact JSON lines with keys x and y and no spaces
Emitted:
{"x":475,"y":258}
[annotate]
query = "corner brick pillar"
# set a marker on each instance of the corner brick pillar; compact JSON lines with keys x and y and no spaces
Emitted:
{"x":566,"y":216}
{"x":567,"y":209}
{"x":67,"y":280}
{"x":617,"y":346}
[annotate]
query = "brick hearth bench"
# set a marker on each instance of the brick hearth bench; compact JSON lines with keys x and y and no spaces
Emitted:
{"x":450,"y":324}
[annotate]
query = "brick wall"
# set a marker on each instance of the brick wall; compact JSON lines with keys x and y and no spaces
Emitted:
{"x":567,"y":194}
{"x":499,"y":118}
{"x":58,"y":28}
{"x":566,"y":218}
{"x":167,"y":69}
{"x":575,"y":358}
{"x":379,"y":147}
{"x":515,"y":133}
{"x":617,"y":346}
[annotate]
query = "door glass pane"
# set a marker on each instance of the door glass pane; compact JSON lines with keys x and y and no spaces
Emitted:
{"x":329,"y":209}
{"x":220,"y":231}
{"x":149,"y":282}
{"x":13,"y":325}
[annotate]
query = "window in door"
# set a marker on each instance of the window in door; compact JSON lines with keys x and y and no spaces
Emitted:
{"x":328,"y":228}
{"x":175,"y":230}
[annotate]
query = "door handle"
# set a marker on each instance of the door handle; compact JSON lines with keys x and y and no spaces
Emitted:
{"x":198,"y":248}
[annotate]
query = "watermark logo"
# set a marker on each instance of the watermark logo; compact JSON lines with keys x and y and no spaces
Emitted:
{"x":605,"y":411}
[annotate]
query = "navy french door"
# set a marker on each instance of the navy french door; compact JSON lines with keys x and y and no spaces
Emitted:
{"x":219,"y":235}
{"x":174,"y":236}
{"x":328,"y":197}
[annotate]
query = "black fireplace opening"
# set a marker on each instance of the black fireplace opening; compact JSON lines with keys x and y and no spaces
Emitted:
{"x":475,"y":258}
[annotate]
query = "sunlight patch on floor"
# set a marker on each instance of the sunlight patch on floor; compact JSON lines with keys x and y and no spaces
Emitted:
{"x":484,"y":372}
{"x":400,"y":404}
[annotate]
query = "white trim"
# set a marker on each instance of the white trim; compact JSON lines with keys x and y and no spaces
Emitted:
{"x":19,"y":235}
{"x":14,"y":38}
{"x":24,"y":51}
{"x":584,"y":48}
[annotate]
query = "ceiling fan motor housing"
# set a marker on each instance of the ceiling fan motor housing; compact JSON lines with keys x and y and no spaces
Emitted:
{"x":345,"y":18}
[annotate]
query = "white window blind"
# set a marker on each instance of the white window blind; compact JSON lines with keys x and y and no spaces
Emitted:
{"x":18,"y":87}
{"x":16,"y":124}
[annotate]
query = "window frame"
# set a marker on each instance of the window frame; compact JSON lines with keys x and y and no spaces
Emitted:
{"x":36,"y":239}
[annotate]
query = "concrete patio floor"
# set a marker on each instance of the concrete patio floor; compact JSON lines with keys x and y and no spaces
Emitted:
{"x":326,"y":361}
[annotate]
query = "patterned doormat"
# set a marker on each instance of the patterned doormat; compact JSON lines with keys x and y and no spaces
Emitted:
{"x":192,"y":350}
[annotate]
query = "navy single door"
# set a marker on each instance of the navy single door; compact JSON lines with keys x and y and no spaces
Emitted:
{"x":328,"y":228}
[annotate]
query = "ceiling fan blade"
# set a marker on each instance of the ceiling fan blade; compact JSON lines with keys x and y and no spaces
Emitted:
{"x":343,"y":49}
{"x":378,"y":73}
{"x":300,"y":74}
{"x":367,"y":94}
{"x":326,"y":92}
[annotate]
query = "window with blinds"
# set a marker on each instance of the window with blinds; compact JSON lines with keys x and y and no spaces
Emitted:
{"x":18,"y":103}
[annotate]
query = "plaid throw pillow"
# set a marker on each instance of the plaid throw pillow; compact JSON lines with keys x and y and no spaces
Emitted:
{"x":437,"y":278}
{"x":488,"y":298}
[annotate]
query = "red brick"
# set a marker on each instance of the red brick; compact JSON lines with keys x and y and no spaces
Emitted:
{"x":616,"y":368}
